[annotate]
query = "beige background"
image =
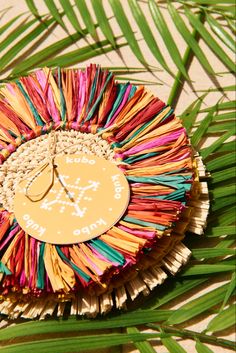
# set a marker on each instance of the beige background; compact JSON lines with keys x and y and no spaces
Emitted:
{"x":201,"y":81}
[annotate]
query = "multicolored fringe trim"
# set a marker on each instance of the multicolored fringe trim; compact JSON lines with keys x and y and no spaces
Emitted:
{"x":153,"y":151}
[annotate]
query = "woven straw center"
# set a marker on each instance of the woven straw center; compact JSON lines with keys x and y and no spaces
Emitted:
{"x":34,"y":152}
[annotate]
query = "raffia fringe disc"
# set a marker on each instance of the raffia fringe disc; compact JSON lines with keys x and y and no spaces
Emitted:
{"x":157,"y":253}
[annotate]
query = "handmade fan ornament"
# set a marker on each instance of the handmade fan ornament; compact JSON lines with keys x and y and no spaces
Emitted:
{"x":98,"y":185}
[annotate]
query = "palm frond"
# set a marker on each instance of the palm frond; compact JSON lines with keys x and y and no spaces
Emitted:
{"x":206,"y":36}
{"x":55,"y":13}
{"x":167,"y":37}
{"x":198,"y":306}
{"x":223,"y":320}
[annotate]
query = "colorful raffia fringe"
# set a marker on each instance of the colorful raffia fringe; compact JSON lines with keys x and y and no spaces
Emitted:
{"x":153,"y":151}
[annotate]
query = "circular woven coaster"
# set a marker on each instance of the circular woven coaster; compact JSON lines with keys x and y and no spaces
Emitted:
{"x":90,"y":112}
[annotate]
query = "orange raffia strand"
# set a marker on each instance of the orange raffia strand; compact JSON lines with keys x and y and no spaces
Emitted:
{"x":105,"y":100}
{"x":54,"y":87}
{"x":145,"y":216}
{"x":121,"y":234}
{"x":5,"y":225}
{"x":126,"y":115}
{"x":127,"y":246}
{"x":127,"y":109}
{"x":170,"y":148}
{"x":84,"y":252}
{"x":151,"y":189}
{"x":19,"y":105}
{"x":5,"y":135}
{"x":68,"y":84}
{"x":8,"y":124}
{"x":156,"y":121}
{"x":160,"y":169}
{"x":10,"y":250}
{"x":88,"y":80}
{"x":4,"y":144}
{"x":163,"y":130}
{"x":30,"y":89}
{"x":77,"y":261}
{"x":26,"y":258}
{"x":136,"y":226}
{"x":157,"y":149}
{"x":153,"y":135}
{"x":32,"y":262}
{"x":162,"y":159}
{"x":176,"y":150}
{"x":82,"y":113}
{"x":177,"y":154}
{"x":61,"y":276}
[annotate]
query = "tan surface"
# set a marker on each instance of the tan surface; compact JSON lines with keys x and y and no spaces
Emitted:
{"x":201,"y":81}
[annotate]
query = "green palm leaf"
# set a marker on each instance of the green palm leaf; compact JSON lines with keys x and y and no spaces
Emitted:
{"x":221,"y":32}
{"x":70,"y":13}
{"x":224,"y":175}
{"x":223,"y":320}
{"x":10,"y":38}
{"x":45,"y":53}
{"x":103,"y":21}
{"x":55,"y":13}
{"x":124,"y":320}
{"x":201,"y":348}
{"x":215,"y":145}
{"x":81,"y":54}
{"x":84,"y":343}
{"x":231,"y":288}
{"x":210,"y":40}
{"x":167,"y":37}
{"x":88,"y":21}
{"x":172,"y":345}
{"x":205,"y":269}
{"x":198,"y":306}
{"x":143,"y":347}
{"x":180,"y":288}
{"x":127,"y":30}
{"x":147,"y":34}
{"x":32,"y":7}
{"x":187,"y":36}
{"x":28,"y":38}
{"x":207,"y":253}
{"x":9,"y":23}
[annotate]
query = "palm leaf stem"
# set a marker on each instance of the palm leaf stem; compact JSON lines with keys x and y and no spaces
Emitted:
{"x":193,"y":335}
{"x":187,"y":59}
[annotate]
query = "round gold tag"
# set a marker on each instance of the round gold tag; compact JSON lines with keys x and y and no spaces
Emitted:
{"x":77,"y":200}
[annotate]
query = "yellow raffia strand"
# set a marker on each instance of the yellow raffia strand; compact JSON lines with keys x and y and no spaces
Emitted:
{"x":6,"y":257}
{"x":19,"y":105}
{"x":122,"y":234}
{"x":102,"y":265}
{"x":135,"y":226}
{"x":61,"y":275}
{"x":160,"y":131}
{"x":127,"y":114}
{"x":54,"y":86}
{"x":142,"y":133}
{"x":26,"y":258}
{"x":160,"y":169}
{"x":67,"y":84}
{"x":122,"y":244}
{"x":8,"y":124}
